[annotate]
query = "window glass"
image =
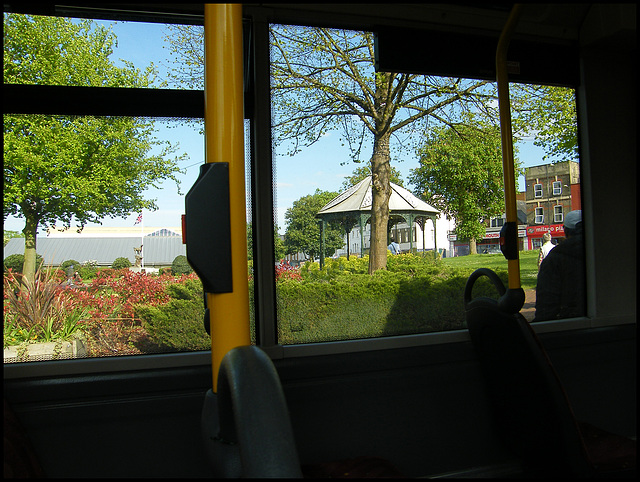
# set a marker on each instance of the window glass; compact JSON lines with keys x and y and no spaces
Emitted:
{"x":121,"y":286}
{"x":537,"y":190}
{"x":328,"y":109}
{"x":98,"y":53}
{"x":557,"y":188}
{"x":557,"y":214}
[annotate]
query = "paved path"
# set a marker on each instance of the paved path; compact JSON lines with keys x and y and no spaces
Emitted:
{"x":529,"y":308}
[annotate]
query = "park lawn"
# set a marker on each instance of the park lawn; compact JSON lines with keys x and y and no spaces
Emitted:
{"x":496,"y":262}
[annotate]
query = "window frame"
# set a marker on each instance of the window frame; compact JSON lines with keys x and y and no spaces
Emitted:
{"x":539,"y":218}
{"x":262,"y":200}
{"x":558,"y":217}
{"x":557,"y":188}
{"x":538,"y":191}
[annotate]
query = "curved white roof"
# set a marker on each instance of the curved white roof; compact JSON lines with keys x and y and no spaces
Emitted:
{"x":358,"y":198}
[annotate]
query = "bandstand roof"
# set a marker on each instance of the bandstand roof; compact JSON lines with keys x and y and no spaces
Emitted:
{"x":357,"y":199}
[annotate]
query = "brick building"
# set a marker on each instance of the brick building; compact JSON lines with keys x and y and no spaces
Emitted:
{"x":552,"y":191}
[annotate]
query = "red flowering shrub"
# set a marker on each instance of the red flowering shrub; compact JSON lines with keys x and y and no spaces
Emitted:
{"x":131,"y":288}
{"x":285,"y":271}
{"x":105,"y":306}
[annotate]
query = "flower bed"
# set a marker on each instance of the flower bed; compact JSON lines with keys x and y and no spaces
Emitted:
{"x":100,"y":313}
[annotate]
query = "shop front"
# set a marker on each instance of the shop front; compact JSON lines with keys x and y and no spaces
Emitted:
{"x":489,"y":244}
{"x":534,"y":234}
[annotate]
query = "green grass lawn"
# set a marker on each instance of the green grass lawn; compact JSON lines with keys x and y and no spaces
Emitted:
{"x":495,"y":262}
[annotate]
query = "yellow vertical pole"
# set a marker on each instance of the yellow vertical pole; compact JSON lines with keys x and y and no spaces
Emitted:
{"x":224,"y":142}
{"x":513,"y":265}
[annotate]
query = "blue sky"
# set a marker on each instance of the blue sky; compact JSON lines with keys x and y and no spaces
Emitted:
{"x":317,"y":167}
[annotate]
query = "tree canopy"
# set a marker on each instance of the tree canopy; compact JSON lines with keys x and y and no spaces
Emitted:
{"x":549,"y":114}
{"x":362,"y":172}
{"x":460,"y":173}
{"x":324,"y":80}
{"x":302,"y":234}
{"x":278,"y":244}
{"x":71,"y":169}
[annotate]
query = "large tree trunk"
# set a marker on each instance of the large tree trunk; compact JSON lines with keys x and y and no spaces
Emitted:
{"x":380,"y":193}
{"x":380,"y":174}
{"x":473,"y":248}
{"x":30,"y":229}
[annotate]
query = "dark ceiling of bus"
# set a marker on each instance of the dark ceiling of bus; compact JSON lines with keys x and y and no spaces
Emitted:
{"x":554,"y":20}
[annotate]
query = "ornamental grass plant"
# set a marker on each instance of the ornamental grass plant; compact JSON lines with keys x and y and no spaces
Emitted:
{"x":37,"y":310}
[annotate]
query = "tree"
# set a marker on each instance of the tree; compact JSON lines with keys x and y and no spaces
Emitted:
{"x":303,"y":228}
{"x":324,"y":79}
{"x":74,"y":169}
{"x":180,"y":265}
{"x":7,"y":235}
{"x":549,"y":114}
{"x":121,"y":263}
{"x":362,"y":172}
{"x":15,"y":262}
{"x":460,"y":173}
{"x":278,"y":243}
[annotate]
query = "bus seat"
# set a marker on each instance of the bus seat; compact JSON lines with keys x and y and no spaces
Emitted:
{"x":247,"y":431}
{"x":246,"y":426}
{"x":531,"y":409}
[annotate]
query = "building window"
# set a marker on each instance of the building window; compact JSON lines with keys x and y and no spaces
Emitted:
{"x":539,"y":216}
{"x":537,"y":190}
{"x":496,"y":222}
{"x":558,"y":215}
{"x":557,"y":188}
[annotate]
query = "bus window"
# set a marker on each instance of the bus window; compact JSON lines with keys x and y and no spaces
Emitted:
{"x":338,"y":126}
{"x":123,"y":285}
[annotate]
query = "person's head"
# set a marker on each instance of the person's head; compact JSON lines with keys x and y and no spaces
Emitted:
{"x":573,"y":223}
{"x":546,"y":237}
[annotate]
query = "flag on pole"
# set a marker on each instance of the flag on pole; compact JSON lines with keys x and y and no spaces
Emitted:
{"x":139,"y":220}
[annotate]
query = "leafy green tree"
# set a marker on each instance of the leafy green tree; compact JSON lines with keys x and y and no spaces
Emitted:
{"x":71,"y":262}
{"x":278,"y":244}
{"x":549,"y":114}
{"x":460,"y":173}
{"x":303,"y":228}
{"x":279,"y":249}
{"x":324,"y":79}
{"x":74,"y":169}
{"x":121,"y":263}
{"x":180,"y":265}
{"x":7,"y":235}
{"x":361,"y":172}
{"x":15,"y":262}
{"x":186,"y":44}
